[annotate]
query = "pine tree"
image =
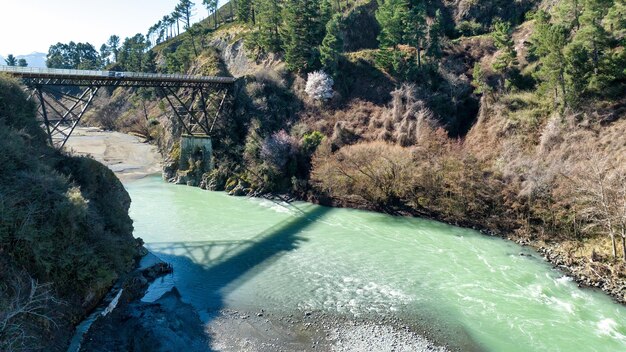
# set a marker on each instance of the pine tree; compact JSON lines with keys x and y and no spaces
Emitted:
{"x":549,"y":41}
{"x":616,"y":20}
{"x":148,"y":62}
{"x":507,"y":58}
{"x":577,"y":72}
{"x":332,"y":46}
{"x":392,"y":15}
{"x":244,"y":11}
{"x":212,"y":6}
{"x":416,"y":27}
{"x":592,"y":34}
{"x":269,"y":20}
{"x":326,"y":13}
{"x":595,"y":39}
{"x":300,"y":34}
{"x":435,"y":35}
{"x":114,"y":43}
{"x":479,"y":80}
{"x":105,"y":54}
{"x":176,"y":16}
{"x":568,"y":12}
{"x":11,"y":60}
{"x":185,"y":9}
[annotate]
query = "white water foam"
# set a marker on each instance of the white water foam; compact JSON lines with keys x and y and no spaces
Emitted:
{"x":279,"y":207}
{"x":563,"y":280}
{"x":356,"y":296}
{"x":608,"y":327}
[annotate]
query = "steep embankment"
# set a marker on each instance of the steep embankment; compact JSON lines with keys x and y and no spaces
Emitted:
{"x":65,"y":233}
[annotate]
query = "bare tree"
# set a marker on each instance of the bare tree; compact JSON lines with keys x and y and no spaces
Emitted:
{"x":599,"y":189}
{"x":621,"y":210}
{"x":25,"y":298}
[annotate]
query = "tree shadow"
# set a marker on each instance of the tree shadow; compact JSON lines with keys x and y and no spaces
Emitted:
{"x":205,"y":270}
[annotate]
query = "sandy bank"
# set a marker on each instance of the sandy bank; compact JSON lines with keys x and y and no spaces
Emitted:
{"x":128,"y":156}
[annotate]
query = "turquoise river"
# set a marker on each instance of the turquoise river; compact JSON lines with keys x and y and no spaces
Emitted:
{"x":465,"y":287}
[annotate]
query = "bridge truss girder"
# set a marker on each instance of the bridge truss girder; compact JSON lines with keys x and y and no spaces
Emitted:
{"x":61,"y":111}
{"x":196,"y":106}
{"x":111,"y":82}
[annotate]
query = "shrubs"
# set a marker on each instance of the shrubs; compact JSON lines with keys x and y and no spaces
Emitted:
{"x":377,"y":173}
{"x":435,"y":177}
{"x":278,"y":149}
{"x":310,"y":142}
{"x":16,"y":112}
{"x":63,"y":221}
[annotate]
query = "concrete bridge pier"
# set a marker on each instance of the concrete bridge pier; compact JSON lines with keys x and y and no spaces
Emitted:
{"x":196,"y":149}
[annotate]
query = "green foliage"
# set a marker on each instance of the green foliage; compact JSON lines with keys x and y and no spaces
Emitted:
{"x":133,"y":55}
{"x":579,"y":51}
{"x":434,"y":48}
{"x":302,"y":34}
{"x":360,"y":28}
{"x":268,"y":16}
{"x":416,"y":27}
{"x":549,"y":42}
{"x":17,"y":113}
{"x":331,"y":49}
{"x":179,"y":60}
{"x":244,"y":11}
{"x":11,"y":60}
{"x":403,"y":22}
{"x":479,"y":81}
{"x":80,"y":56}
{"x":470,"y":28}
{"x":568,"y":13}
{"x":65,"y":220}
{"x":211,"y":6}
{"x":185,"y":9}
{"x":502,"y":37}
{"x":310,"y":142}
{"x":392,"y":15}
{"x":113,"y":44}
{"x":506,"y":61}
{"x":578,"y":71}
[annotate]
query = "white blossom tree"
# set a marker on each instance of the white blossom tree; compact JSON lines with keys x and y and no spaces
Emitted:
{"x":319,"y":86}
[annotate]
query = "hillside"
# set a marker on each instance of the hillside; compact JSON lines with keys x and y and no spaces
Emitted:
{"x":65,"y":233}
{"x":34,"y":59}
{"x":503,"y":116}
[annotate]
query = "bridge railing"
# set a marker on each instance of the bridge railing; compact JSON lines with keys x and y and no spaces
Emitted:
{"x":35,"y":71}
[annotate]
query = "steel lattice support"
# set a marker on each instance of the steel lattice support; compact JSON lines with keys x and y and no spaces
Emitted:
{"x":197,"y":108}
{"x":197,"y":101}
{"x":61,"y":111}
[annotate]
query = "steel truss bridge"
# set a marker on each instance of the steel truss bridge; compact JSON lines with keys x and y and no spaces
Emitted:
{"x":197,"y":101}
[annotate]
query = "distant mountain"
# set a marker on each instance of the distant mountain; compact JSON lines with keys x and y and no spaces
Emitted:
{"x":34,"y":59}
{"x":2,"y":62}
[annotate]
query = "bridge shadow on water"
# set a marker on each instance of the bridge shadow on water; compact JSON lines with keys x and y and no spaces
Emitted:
{"x":205,"y":271}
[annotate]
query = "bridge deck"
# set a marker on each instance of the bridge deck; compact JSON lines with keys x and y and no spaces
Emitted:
{"x":50,"y":76}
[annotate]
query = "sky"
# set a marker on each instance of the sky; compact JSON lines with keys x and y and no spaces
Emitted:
{"x":28,"y":26}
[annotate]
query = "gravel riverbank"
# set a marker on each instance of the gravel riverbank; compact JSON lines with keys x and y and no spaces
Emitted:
{"x":128,"y":156}
{"x":169,"y":324}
